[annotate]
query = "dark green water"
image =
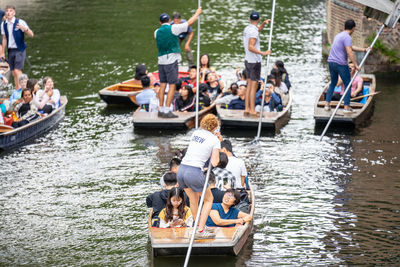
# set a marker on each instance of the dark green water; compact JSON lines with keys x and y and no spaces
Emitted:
{"x":76,"y":196}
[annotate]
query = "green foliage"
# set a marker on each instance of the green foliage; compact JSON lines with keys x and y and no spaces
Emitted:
{"x":380,"y":46}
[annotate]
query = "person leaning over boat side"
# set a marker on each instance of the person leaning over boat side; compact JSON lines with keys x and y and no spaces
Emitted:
{"x":203,"y":145}
{"x":15,"y":44}
{"x":27,"y":110}
{"x":235,"y":164}
{"x":168,"y":57}
{"x":240,"y":102}
{"x":16,"y":95}
{"x":216,"y":192}
{"x":144,"y":97}
{"x":187,"y":35}
{"x":175,"y":213}
{"x":224,"y":214}
{"x":251,"y":43}
{"x":342,"y":48}
{"x":49,"y":97}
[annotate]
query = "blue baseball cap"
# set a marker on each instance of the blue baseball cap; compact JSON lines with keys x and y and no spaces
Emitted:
{"x":164,"y":17}
{"x":254,"y":15}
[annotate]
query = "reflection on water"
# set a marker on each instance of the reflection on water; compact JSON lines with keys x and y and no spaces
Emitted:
{"x":75,"y":196}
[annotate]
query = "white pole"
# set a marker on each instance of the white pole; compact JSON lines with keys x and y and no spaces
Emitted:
{"x":349,"y":85}
{"x":198,"y":70}
{"x":197,"y":216}
{"x":266,"y":72}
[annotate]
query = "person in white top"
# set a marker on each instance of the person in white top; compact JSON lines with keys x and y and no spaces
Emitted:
{"x":251,"y":43}
{"x":235,"y":165}
{"x":203,"y":145}
{"x":48,"y":98}
{"x":14,"y":43}
{"x":169,"y":54}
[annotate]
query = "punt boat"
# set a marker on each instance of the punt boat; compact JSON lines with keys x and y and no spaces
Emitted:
{"x":271,"y":121}
{"x":175,"y":241}
{"x":361,"y":111}
{"x":122,"y":93}
{"x":11,"y":138}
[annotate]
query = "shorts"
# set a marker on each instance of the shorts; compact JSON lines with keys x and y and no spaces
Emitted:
{"x":192,"y":177}
{"x":253,"y":70}
{"x":168,"y":73}
{"x":16,"y":59}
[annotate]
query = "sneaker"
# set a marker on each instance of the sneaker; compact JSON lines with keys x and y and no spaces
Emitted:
{"x":327,"y":108}
{"x":170,"y":115}
{"x":348,"y":111}
{"x":161,"y":114}
{"x":209,"y":229}
{"x":203,"y":235}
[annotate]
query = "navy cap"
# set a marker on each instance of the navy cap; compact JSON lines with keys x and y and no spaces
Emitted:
{"x":254,"y":15}
{"x":164,"y":17}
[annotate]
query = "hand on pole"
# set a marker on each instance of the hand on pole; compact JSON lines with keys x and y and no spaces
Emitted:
{"x":266,"y":53}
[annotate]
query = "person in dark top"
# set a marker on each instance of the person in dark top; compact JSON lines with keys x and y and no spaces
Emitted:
{"x":279,"y":65}
{"x":27,"y":110}
{"x":217,"y":193}
{"x":185,"y":102}
{"x":204,"y":99}
{"x":239,"y":103}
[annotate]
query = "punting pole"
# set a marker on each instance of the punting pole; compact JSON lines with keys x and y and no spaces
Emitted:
{"x":197,"y":216}
{"x":266,"y":73}
{"x":198,"y":69}
{"x":390,"y":22}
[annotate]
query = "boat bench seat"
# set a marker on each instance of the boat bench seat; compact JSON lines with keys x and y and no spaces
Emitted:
{"x":128,"y":87}
{"x":353,"y":105}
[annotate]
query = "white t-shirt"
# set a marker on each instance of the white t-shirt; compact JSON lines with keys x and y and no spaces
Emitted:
{"x":201,"y":145}
{"x":237,"y":168}
{"x":10,"y":25}
{"x":55,"y":97}
{"x":176,"y":29}
{"x":251,"y":31}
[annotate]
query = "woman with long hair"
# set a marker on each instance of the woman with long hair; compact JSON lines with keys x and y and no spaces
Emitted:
{"x":175,"y":213}
{"x":185,"y":101}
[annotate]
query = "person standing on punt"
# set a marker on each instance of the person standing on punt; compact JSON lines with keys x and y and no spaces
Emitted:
{"x":251,"y":43}
{"x":13,"y":31}
{"x":169,"y":55}
{"x":203,"y":145}
{"x":342,"y":48}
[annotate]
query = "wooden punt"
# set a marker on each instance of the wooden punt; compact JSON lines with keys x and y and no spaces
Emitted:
{"x":361,"y":111}
{"x":185,"y":120}
{"x":175,"y":241}
{"x":122,"y":93}
{"x":271,"y":121}
{"x":11,"y":138}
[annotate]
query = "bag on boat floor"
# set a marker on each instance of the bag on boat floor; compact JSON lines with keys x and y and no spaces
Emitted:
{"x":244,"y":204}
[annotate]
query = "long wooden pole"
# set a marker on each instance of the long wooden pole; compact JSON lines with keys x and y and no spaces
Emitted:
{"x":266,"y":73}
{"x":198,"y":69}
{"x":349,"y":85}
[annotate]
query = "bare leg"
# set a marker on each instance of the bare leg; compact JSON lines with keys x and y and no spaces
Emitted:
{"x":170,"y":95}
{"x":16,"y":73}
{"x":161,"y":93}
{"x":194,"y":201}
{"x":252,"y":89}
{"x":205,"y":211}
{"x":247,"y":99}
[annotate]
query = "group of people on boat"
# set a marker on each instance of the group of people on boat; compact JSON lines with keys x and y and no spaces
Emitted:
{"x":226,"y":201}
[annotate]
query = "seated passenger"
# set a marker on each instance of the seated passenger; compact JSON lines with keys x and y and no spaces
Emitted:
{"x":280,"y":87}
{"x":227,"y":97}
{"x":144,"y":97}
{"x":224,"y":214}
{"x":26,"y":110}
{"x":215,"y":86}
{"x":186,"y":100}
{"x":272,"y":101}
{"x":191,"y":79}
{"x":216,"y":192}
{"x":279,"y":65}
{"x":235,"y":165}
{"x":205,"y":67}
{"x":239,"y":103}
{"x":204,"y":99}
{"x":176,"y":213}
{"x":225,"y":178}
{"x":33,"y":86}
{"x":48,"y":98}
{"x":141,"y":70}
{"x":173,"y":167}
{"x":16,"y":95}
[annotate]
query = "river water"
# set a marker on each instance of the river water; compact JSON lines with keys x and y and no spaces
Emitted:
{"x":76,"y":196}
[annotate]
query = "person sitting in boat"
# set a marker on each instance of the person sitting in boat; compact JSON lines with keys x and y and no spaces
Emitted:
{"x":280,"y":86}
{"x":33,"y":86}
{"x":239,"y":103}
{"x":204,"y":99}
{"x":215,"y":85}
{"x":16,"y":95}
{"x":205,"y":67}
{"x":144,"y":97}
{"x":272,"y":101}
{"x":173,"y":167}
{"x":175,"y":213}
{"x":225,"y":98}
{"x":225,"y":178}
{"x":141,"y":70}
{"x":224,"y":214}
{"x":186,"y":101}
{"x":216,"y":192}
{"x":191,"y":79}
{"x":26,"y":110}
{"x":235,"y":165}
{"x":49,"y":97}
{"x":283,"y":74}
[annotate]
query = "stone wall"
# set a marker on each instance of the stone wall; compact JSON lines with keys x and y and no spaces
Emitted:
{"x":338,"y":11}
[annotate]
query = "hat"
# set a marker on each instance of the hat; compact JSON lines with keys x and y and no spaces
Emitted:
{"x":254,"y":15}
{"x":164,"y":17}
{"x":241,"y":83}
